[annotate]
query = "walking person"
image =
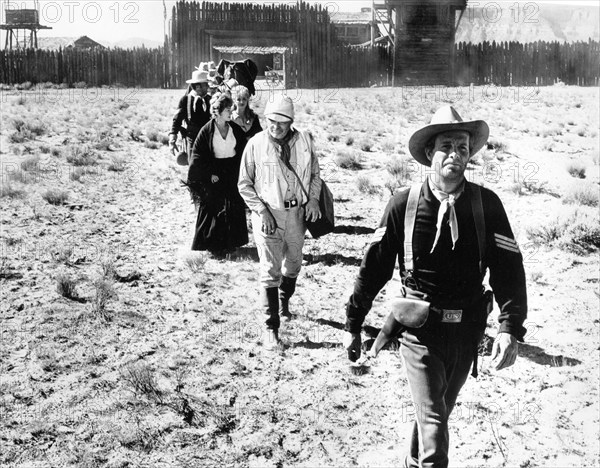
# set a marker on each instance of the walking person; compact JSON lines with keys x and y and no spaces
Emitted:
{"x":193,"y":112}
{"x":243,"y":115}
{"x":280,"y":182}
{"x":212,"y":179}
{"x":446,"y":233}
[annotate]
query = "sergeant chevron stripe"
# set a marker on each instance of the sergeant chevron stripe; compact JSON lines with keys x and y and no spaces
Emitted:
{"x":506,"y":243}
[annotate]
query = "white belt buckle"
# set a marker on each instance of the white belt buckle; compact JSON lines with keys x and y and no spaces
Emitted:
{"x":451,"y":315}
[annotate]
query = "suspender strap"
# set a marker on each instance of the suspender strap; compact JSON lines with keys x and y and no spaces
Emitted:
{"x":477,"y":207}
{"x":411,"y":214}
{"x":409,"y":224}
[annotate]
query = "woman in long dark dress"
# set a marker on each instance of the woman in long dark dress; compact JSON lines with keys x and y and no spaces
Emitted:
{"x":212,"y":178}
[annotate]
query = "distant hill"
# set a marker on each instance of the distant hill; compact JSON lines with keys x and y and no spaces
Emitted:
{"x":548,"y":23}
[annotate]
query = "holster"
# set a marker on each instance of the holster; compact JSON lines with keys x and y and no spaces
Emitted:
{"x":412,"y":309}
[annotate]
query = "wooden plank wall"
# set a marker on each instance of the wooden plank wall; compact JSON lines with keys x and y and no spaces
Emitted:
{"x":141,"y":67}
{"x":311,"y":25}
{"x":538,"y":63}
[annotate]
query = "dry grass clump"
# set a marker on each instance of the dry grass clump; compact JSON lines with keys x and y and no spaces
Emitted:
{"x":349,"y":140}
{"x":55,"y":196}
{"x":585,"y":194}
{"x":117,"y":164}
{"x":496,"y":145}
{"x":364,"y":185}
{"x":104,"y":292}
{"x":195,"y":261}
{"x":576,"y":169}
{"x":140,"y":378}
{"x":7,"y":190}
{"x":578,"y":232}
{"x":31,"y":163}
{"x":151,"y":145}
{"x":81,"y":155}
{"x":26,"y":130}
{"x":65,"y":286}
{"x":348,"y":160}
{"x":366,"y":146}
{"x":402,"y":169}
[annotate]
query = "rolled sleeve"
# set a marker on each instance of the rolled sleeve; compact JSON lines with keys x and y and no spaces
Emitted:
{"x":247,"y":180}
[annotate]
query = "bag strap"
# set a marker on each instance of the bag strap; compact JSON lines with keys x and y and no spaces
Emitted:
{"x":409,"y":224}
{"x":411,"y":214}
{"x":291,"y":168}
{"x":478,"y":216}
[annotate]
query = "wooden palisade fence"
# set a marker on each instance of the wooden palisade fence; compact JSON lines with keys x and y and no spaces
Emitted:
{"x":538,"y":63}
{"x":132,"y":67}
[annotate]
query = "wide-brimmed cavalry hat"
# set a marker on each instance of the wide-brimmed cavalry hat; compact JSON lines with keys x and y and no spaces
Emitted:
{"x":445,"y":119}
{"x":280,"y":110}
{"x":198,"y":76}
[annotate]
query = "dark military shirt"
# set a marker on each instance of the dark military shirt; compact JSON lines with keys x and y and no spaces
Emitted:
{"x":446,"y":274}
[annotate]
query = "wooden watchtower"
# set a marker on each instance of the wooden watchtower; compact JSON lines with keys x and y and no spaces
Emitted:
{"x":21,"y":26}
{"x":423,"y":33}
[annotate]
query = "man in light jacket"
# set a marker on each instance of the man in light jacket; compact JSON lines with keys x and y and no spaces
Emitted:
{"x":280,"y":182}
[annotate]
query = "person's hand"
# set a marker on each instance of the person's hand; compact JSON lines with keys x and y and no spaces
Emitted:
{"x":352,"y":343}
{"x":173,"y":148}
{"x":504,"y":351}
{"x":312,"y":210}
{"x":214,"y":179}
{"x":268,"y":222}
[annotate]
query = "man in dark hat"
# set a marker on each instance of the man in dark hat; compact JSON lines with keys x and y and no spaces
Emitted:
{"x":446,"y":233}
{"x":193,"y":109}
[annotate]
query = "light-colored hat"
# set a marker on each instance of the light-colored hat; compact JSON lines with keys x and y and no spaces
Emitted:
{"x":280,"y":110}
{"x":198,"y":76}
{"x":445,"y":119}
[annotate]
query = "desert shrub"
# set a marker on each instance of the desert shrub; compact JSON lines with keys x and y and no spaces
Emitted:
{"x":388,"y":145}
{"x":333,"y":137}
{"x":20,"y":176}
{"x":366,"y":146}
{"x":7,"y":190}
{"x":104,"y":292}
{"x":20,"y":136}
{"x":576,"y":169}
{"x":516,"y":188}
{"x":496,"y":145}
{"x":578,"y":232}
{"x":140,"y":378}
{"x":109,"y":271}
{"x":81,"y":155}
{"x":45,"y":149}
{"x":164,"y":139}
{"x":402,"y":168}
{"x":31,"y":163}
{"x":195,"y":262}
{"x":151,"y":145}
{"x":80,"y":85}
{"x":135,"y":134}
{"x":585,"y":194}
{"x":364,"y":185}
{"x":55,"y":196}
{"x":56,"y":152}
{"x":65,"y":286}
{"x":117,"y":164}
{"x":535,"y":187}
{"x":348,"y":160}
{"x":153,"y":135}
{"x":24,"y":86}
{"x":349,"y":140}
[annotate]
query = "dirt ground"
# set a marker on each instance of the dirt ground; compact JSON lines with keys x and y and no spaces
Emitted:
{"x":121,"y":348}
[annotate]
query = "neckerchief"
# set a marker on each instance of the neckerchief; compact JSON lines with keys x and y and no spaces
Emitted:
{"x":284,"y":147}
{"x":447,"y":201}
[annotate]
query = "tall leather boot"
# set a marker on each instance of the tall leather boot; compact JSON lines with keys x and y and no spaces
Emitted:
{"x":286,"y":290}
{"x":270,"y":304}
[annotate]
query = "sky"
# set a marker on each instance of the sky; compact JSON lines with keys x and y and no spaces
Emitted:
{"x":115,"y":20}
